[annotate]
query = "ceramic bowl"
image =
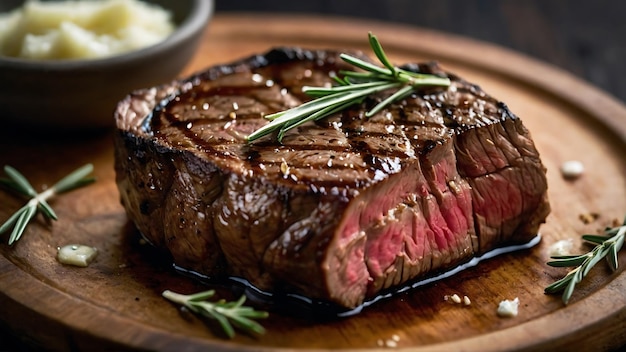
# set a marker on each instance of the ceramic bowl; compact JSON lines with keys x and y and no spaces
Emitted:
{"x":82,"y":94}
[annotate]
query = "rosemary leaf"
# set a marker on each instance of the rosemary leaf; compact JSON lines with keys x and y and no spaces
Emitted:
{"x":12,"y":185}
{"x":11,"y":220}
{"x":402,"y":93}
{"x":315,"y":116}
{"x":569,"y":289}
{"x":612,"y":258}
{"x":568,"y":261}
{"x":351,"y":89}
{"x":565,"y":257}
{"x":594,"y":258}
{"x":75,"y":179}
{"x":557,"y":286}
{"x":323,"y":91}
{"x":607,"y":246}
{"x":26,"y":215}
{"x":364,"y":65}
{"x":47,"y":210}
{"x":595,"y":238}
{"x":318,"y":109}
{"x":38,"y":201}
{"x":352,"y":77}
{"x":20,"y":181}
{"x":380,"y":53}
{"x":201,"y":296}
{"x":222,"y":320}
{"x":229,"y":315}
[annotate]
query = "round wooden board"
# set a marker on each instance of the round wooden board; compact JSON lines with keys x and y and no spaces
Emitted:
{"x":115,"y":303}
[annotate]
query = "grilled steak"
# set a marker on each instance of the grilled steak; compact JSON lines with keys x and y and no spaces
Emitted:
{"x":343,"y":208}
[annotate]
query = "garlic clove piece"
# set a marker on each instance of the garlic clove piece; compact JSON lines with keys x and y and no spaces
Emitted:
{"x":76,"y":254}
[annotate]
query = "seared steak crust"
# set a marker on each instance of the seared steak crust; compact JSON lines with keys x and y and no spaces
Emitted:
{"x":343,"y":208}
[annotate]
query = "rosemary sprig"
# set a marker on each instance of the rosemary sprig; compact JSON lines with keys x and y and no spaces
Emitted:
{"x":351,"y":89}
{"x":607,"y":246}
{"x":227,"y":314}
{"x":38,"y":201}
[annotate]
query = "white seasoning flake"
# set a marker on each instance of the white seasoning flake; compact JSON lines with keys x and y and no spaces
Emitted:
{"x":257,"y":78}
{"x":466,"y":301}
{"x":391,"y":343}
{"x":455,"y":298}
{"x":508,"y":309}
{"x":572,"y":169}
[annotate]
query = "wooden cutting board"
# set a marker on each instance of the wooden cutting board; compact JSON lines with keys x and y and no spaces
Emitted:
{"x":115,"y":303}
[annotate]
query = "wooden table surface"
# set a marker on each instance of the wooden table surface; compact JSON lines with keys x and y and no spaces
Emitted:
{"x":594,"y":135}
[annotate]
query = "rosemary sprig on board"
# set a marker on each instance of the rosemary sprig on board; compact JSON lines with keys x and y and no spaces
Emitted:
{"x":607,"y":246}
{"x":38,"y":201}
{"x":229,"y":315}
{"x":351,"y":89}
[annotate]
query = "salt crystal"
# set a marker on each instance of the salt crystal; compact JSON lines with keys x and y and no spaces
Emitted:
{"x":572,"y":169}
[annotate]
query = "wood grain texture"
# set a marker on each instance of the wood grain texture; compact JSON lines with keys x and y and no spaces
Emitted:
{"x":115,"y":303}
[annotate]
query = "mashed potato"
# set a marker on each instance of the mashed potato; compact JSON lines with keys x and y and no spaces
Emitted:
{"x":81,"y":29}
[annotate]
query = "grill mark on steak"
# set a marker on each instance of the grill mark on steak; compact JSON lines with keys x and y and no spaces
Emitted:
{"x":346,"y":206}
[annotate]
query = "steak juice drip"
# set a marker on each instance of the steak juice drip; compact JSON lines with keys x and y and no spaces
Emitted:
{"x":288,"y":303}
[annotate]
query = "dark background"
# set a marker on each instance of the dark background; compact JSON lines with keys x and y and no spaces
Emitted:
{"x":584,"y":37}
